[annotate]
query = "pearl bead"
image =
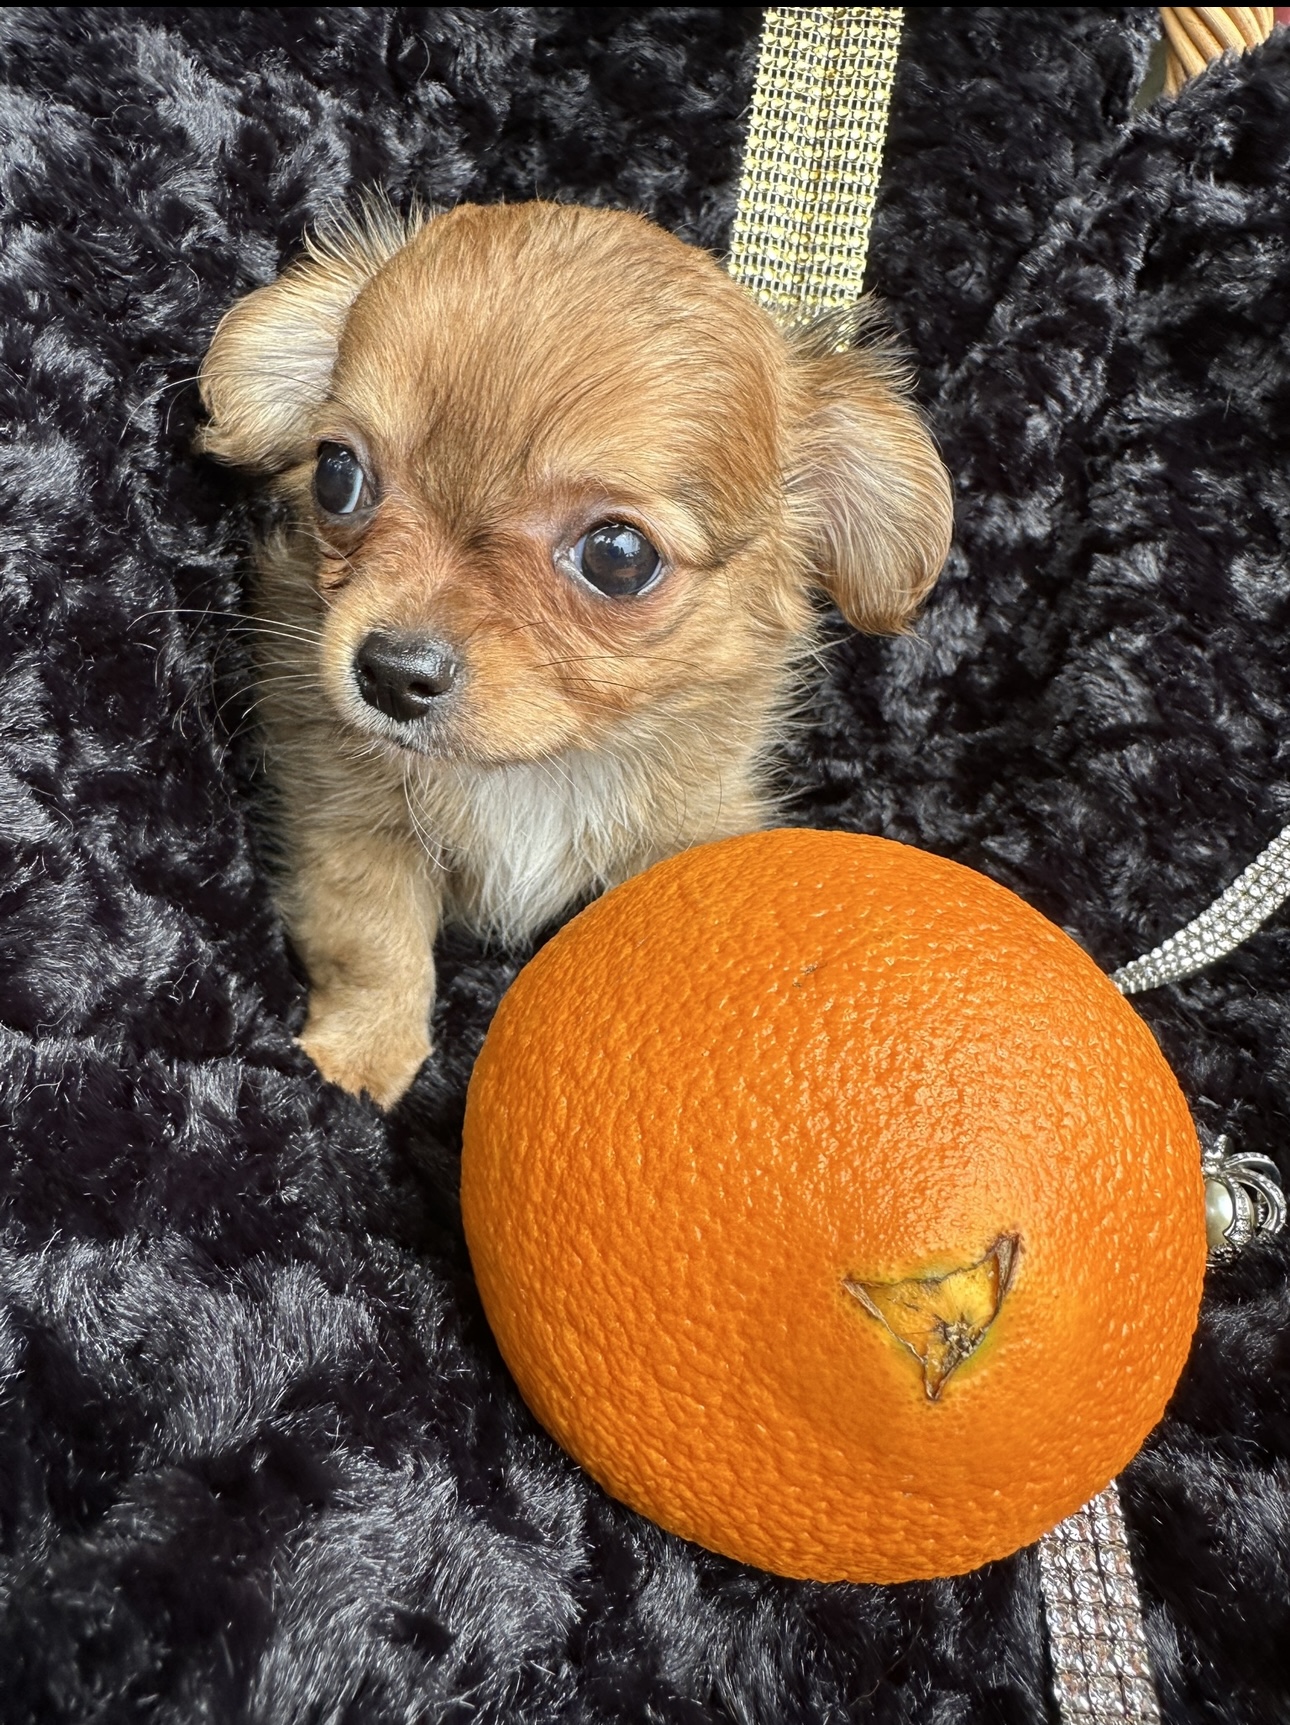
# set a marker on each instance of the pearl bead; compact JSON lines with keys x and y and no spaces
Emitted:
{"x":1220,"y":1212}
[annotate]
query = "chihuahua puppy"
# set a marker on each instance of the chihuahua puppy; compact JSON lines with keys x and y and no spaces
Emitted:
{"x":556,"y":495}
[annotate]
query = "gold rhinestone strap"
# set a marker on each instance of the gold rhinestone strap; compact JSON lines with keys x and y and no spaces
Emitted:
{"x":814,"y":154}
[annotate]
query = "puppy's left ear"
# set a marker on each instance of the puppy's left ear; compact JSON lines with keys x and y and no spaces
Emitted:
{"x":865,"y":481}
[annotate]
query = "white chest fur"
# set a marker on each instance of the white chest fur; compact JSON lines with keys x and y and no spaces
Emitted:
{"x":518,"y":844}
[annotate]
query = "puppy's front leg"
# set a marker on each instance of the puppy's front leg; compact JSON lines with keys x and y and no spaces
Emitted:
{"x":363,"y":907}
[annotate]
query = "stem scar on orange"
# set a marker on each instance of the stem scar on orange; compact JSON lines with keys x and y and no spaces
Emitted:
{"x":832,"y":1208}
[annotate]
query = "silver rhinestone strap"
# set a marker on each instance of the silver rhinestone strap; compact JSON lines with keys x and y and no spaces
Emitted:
{"x":1234,"y":915}
{"x":1101,"y":1671}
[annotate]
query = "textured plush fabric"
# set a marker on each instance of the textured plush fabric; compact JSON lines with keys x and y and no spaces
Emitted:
{"x":259,"y":1460}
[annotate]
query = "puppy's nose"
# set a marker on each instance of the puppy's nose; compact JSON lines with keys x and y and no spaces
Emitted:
{"x":402,"y":675}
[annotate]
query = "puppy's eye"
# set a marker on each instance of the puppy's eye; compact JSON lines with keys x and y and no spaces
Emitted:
{"x":617,"y":559}
{"x":340,"y":485}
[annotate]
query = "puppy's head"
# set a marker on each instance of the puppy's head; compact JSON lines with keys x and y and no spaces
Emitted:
{"x":562,"y":475}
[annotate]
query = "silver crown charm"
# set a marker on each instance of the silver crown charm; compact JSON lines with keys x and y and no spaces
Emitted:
{"x":1243,"y":1197}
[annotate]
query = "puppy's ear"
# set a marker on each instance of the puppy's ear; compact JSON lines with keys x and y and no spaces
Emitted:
{"x":270,"y":363}
{"x":865,"y":480}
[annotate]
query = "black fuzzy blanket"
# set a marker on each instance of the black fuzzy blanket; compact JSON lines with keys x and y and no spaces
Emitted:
{"x":259,"y":1460}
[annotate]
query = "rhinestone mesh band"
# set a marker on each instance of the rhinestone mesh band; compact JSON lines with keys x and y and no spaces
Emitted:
{"x":1101,"y":1670}
{"x":1233,"y":917}
{"x":1099,"y":1651}
{"x":814,"y":154}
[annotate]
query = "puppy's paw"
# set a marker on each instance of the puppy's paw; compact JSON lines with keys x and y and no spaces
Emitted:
{"x":374,"y":1056}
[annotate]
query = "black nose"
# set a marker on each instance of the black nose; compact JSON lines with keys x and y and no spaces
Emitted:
{"x":403,"y":676}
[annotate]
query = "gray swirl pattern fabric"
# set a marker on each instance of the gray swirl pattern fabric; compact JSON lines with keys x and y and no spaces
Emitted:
{"x":259,"y":1460}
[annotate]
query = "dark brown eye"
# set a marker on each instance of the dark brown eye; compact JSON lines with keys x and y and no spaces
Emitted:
{"x":617,"y":559}
{"x":340,"y":485}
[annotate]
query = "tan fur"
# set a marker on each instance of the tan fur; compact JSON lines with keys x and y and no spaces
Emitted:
{"x":514,"y":375}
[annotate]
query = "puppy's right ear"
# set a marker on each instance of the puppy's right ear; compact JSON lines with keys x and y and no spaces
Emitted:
{"x":269,"y":366}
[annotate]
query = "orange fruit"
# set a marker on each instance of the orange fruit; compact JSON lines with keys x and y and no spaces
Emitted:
{"x":832,"y":1208}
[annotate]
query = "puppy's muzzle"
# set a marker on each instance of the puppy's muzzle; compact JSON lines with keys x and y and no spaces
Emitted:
{"x":405,"y":676}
